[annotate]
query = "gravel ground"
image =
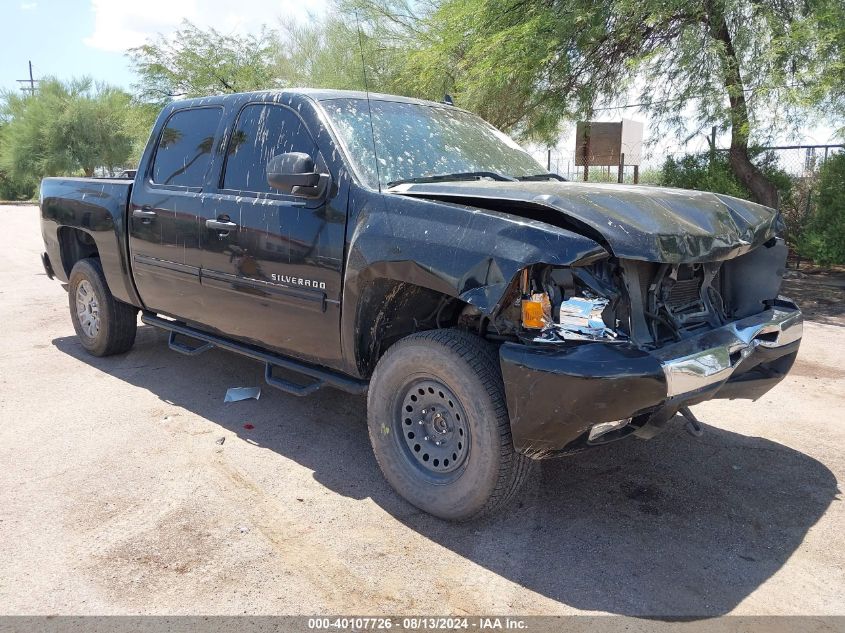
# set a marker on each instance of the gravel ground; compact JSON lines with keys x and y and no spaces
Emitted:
{"x":117,"y":497}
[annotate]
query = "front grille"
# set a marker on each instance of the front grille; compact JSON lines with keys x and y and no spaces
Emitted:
{"x":670,"y":300}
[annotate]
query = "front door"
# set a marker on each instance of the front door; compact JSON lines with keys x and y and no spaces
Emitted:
{"x":271,"y":262}
{"x":164,"y":219}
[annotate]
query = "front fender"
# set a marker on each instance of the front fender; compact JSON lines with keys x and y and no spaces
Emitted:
{"x":459,"y":251}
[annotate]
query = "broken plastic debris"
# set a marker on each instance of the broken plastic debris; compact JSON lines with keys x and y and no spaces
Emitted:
{"x":582,"y":313}
{"x":234,"y":394}
{"x":220,"y":440}
{"x":580,"y":318}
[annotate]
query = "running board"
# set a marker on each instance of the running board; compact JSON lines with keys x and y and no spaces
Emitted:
{"x":187,"y":350}
{"x":321,"y":377}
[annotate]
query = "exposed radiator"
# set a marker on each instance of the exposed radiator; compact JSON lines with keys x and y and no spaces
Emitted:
{"x":684,"y":292}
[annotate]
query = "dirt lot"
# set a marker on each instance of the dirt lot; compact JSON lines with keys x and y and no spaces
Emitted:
{"x":116,"y":497}
{"x":820,"y":293}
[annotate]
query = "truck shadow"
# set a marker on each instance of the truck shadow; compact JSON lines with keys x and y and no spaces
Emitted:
{"x":673,"y":527}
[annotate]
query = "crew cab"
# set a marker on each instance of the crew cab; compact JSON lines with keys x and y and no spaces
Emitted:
{"x":493,"y":313}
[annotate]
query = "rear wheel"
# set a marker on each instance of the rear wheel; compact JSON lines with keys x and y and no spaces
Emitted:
{"x":104,"y":325}
{"x":439,"y":425}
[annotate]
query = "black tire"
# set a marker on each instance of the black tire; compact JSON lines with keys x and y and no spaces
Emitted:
{"x":449,"y":385}
{"x":116,"y":321}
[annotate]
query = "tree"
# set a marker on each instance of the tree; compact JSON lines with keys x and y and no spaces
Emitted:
{"x":193,"y":62}
{"x":832,"y":90}
{"x":64,"y":128}
{"x":196,"y":62}
{"x":749,"y":66}
{"x":141,"y":117}
{"x":331,"y":54}
{"x":14,"y":188}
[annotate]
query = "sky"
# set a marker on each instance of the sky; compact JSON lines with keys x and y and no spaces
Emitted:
{"x":68,"y":38}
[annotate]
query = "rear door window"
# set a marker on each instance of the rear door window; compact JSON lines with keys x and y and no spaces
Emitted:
{"x":184,"y":147}
{"x":263,"y":131}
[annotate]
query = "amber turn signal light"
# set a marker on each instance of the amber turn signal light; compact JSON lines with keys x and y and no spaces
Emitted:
{"x":536,"y":311}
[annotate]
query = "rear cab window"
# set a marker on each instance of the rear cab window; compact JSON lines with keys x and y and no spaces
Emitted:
{"x":185,"y":148}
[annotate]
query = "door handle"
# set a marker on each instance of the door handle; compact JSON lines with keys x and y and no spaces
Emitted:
{"x":221,"y":225}
{"x":144,"y":213}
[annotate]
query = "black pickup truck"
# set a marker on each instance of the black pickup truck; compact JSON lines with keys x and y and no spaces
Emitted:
{"x":493,"y":313}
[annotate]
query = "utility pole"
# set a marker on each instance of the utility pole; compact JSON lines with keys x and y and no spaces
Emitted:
{"x":31,"y":81}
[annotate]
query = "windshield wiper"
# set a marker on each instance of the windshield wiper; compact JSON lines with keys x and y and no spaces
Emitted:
{"x":464,"y":175}
{"x":549,"y":176}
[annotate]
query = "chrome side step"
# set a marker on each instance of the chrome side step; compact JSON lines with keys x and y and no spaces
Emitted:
{"x":320,"y":377}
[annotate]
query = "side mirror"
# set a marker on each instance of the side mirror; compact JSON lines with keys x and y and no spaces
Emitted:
{"x":293,"y":170}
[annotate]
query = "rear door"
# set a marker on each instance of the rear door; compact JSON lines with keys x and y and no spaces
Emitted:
{"x":164,"y":215}
{"x":274,"y":276}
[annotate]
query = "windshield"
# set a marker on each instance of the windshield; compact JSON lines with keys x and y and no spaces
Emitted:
{"x":418,"y":141}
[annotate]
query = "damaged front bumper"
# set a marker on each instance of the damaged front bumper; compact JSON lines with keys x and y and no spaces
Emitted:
{"x":557,"y":393}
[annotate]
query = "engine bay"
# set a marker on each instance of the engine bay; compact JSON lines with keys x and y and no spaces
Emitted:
{"x":644,"y":303}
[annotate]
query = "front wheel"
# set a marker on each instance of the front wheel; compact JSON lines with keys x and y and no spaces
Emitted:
{"x":104,"y":325}
{"x":439,"y":425}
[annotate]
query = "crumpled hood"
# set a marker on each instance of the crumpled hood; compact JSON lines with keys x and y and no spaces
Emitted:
{"x":655,"y":224}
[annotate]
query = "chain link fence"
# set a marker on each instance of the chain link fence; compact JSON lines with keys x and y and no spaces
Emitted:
{"x":799,"y":162}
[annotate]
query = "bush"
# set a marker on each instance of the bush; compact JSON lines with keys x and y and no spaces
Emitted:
{"x":824,"y":238}
{"x":695,"y":171}
{"x":12,"y":189}
{"x":64,"y":129}
{"x":698,"y":171}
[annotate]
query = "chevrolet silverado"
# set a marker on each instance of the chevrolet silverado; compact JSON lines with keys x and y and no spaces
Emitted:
{"x":493,"y":313}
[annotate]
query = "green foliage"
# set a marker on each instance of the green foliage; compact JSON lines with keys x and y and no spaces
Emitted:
{"x":64,"y":129}
{"x":832,"y":49}
{"x":705,"y":173}
{"x":529,"y":65}
{"x":193,"y":62}
{"x":696,"y":171}
{"x":14,"y":188}
{"x":139,"y":123}
{"x":526,"y":65}
{"x":824,"y":239}
{"x":341,"y":54}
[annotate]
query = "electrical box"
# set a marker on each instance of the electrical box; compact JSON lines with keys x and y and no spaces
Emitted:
{"x":603,"y":143}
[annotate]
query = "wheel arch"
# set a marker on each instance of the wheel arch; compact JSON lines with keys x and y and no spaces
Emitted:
{"x":75,"y":244}
{"x":390,"y":309}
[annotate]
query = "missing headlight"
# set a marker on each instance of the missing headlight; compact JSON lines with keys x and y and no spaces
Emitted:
{"x":569,"y":304}
{"x":582,"y":315}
